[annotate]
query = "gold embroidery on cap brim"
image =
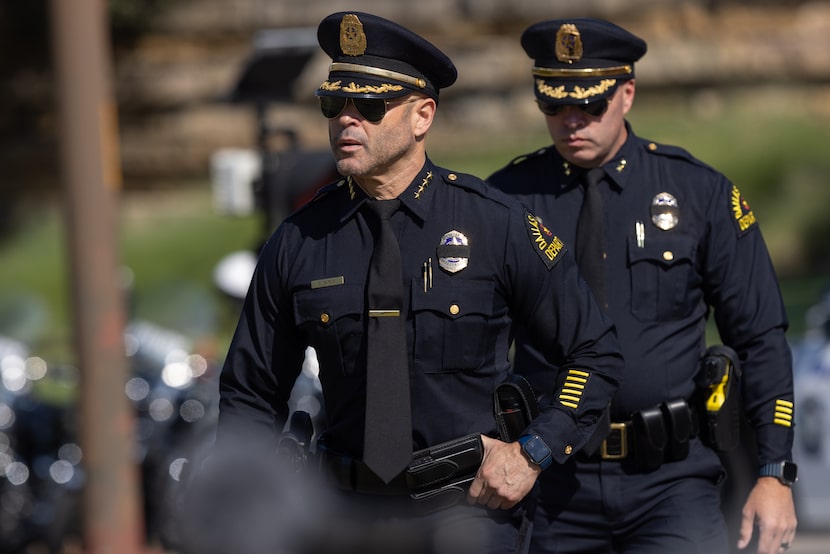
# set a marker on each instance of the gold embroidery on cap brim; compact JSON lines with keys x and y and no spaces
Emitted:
{"x":352,"y":37}
{"x":578,"y":92}
{"x":354,"y":88}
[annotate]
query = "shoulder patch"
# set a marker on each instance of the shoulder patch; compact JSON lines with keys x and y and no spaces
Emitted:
{"x":742,"y":214}
{"x":548,"y":246}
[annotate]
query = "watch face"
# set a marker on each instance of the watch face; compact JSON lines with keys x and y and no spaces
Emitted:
{"x":537,"y":450}
{"x":789,"y":472}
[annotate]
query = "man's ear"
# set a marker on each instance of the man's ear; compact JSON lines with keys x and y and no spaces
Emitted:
{"x":628,"y":90}
{"x":423,"y":113}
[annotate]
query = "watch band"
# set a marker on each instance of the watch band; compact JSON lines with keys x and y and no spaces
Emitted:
{"x":786,"y":472}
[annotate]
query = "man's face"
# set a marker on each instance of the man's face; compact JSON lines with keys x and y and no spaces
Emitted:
{"x":370,"y":149}
{"x":590,"y":141}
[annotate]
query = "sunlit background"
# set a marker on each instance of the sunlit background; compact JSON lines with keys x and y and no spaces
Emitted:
{"x":220,"y":137}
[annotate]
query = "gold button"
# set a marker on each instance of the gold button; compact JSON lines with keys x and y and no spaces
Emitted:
{"x":652,"y":146}
{"x":569,"y":449}
{"x":324,"y":317}
{"x":452,"y":176}
{"x":454,"y":309}
{"x":668,"y":255}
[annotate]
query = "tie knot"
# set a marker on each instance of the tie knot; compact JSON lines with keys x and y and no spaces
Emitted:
{"x":593,"y":176}
{"x":383,"y":209}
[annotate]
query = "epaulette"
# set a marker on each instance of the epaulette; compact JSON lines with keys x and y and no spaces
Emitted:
{"x":521,"y":158}
{"x":326,"y":189}
{"x":463,"y":180}
{"x":670,"y":151}
{"x":321,"y":193}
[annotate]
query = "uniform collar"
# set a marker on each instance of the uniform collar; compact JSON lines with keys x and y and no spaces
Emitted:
{"x":416,"y":198}
{"x":617,"y":170}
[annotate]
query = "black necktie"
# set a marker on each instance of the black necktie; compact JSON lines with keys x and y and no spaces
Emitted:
{"x":590,"y":235}
{"x":387,"y":446}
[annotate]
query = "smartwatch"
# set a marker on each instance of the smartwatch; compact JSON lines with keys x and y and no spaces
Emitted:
{"x":786,"y":472}
{"x":536,"y":450}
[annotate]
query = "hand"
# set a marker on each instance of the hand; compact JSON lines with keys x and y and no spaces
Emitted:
{"x":505,"y":475}
{"x":770,"y":505}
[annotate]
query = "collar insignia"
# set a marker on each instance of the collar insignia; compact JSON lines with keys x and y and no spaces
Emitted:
{"x":424,"y":184}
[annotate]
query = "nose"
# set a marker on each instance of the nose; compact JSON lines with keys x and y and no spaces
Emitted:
{"x":350,"y":110}
{"x":573,"y":117}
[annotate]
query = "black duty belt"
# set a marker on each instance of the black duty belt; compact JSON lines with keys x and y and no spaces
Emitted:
{"x":651,"y":437}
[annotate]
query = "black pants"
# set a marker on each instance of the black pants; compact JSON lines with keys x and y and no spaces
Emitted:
{"x":606,"y":507}
{"x":377,"y":525}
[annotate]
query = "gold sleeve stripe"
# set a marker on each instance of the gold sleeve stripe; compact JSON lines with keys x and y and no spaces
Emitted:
{"x":572,"y":389}
{"x":783,"y":413}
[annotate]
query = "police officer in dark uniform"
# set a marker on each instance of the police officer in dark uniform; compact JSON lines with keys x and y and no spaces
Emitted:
{"x":467,"y":261}
{"x":663,"y":239}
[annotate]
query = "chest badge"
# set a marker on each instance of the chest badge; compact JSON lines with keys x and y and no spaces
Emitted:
{"x":453,"y":252}
{"x":665,"y":213}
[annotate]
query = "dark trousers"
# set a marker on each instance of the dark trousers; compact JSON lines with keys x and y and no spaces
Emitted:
{"x":372,"y":525}
{"x":608,"y":507}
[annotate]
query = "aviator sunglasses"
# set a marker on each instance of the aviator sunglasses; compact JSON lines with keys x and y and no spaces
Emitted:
{"x":594,"y":109}
{"x":373,"y":109}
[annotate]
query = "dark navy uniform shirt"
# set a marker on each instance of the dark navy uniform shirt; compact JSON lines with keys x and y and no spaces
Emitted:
{"x":662,"y":285}
{"x":309,"y":289}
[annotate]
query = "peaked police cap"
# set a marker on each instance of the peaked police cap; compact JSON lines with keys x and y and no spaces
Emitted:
{"x":373,"y":57}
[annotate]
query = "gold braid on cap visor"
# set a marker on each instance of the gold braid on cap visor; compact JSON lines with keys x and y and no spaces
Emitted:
{"x":585,"y":72}
{"x":378,"y":72}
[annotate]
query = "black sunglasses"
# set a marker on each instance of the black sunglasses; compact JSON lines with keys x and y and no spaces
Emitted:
{"x":373,"y":109}
{"x":594,"y":109}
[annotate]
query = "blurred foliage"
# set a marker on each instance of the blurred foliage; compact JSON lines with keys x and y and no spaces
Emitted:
{"x":172,"y":240}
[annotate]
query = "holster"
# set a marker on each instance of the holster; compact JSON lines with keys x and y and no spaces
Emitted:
{"x":515,"y":406}
{"x":439,"y":475}
{"x":294,"y":444}
{"x":718,"y":398}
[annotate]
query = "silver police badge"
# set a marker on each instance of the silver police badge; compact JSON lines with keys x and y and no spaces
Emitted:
{"x":664,"y":211}
{"x":453,"y":252}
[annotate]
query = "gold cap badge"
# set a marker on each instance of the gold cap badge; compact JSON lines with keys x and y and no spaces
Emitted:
{"x":352,"y":37}
{"x":568,"y":44}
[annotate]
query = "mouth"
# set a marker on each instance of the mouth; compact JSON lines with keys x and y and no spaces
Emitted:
{"x":348,"y":144}
{"x":574,"y":141}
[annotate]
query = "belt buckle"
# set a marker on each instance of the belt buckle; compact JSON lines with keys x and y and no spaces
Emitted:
{"x":622,"y":428}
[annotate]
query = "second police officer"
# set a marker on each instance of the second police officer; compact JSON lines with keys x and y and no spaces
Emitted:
{"x":664,"y":240}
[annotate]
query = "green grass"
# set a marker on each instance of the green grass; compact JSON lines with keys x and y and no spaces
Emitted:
{"x":171,"y":241}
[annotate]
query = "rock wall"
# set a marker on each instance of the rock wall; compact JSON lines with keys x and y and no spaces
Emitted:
{"x":172,"y":82}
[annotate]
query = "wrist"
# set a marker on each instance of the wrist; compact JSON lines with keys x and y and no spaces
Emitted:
{"x":785,"y":471}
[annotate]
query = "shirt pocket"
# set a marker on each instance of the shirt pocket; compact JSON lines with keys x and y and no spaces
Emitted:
{"x":661,"y":272}
{"x":331,"y":319}
{"x":452,"y":326}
